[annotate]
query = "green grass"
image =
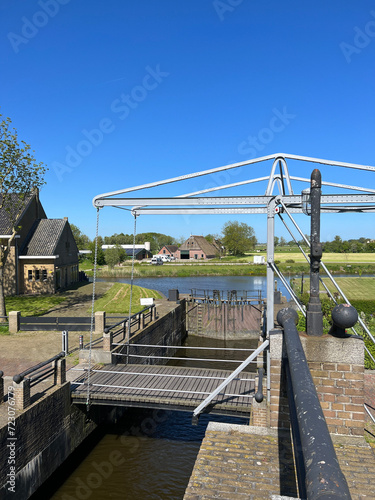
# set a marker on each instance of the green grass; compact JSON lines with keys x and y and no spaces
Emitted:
{"x":182,"y":271}
{"x":85,"y":265}
{"x":32,"y":306}
{"x":117,"y":299}
{"x":4,"y":330}
{"x":359,"y":288}
{"x":335,"y":258}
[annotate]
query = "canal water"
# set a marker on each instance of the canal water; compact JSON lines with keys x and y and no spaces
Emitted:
{"x":149,"y":454}
{"x":186,"y":284}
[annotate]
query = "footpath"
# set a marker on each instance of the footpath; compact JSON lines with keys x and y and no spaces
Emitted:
{"x":243,"y":462}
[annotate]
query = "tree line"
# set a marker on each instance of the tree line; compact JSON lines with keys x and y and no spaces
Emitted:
{"x":236,"y":239}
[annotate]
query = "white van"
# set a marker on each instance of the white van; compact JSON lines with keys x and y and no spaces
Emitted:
{"x":156,"y":261}
{"x":165,"y":258}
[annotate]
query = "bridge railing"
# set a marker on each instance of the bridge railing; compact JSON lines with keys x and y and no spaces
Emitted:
{"x":319,"y":473}
{"x":245,"y":392}
{"x":126,"y":326}
{"x":231,"y":296}
{"x":24,"y":381}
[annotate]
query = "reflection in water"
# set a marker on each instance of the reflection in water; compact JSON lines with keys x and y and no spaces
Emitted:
{"x":185,"y":285}
{"x":149,"y":455}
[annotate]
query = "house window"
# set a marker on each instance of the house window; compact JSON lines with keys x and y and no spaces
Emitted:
{"x":202,"y":255}
{"x":37,"y":275}
{"x":44,"y":274}
{"x":195,"y":256}
{"x":30,"y":275}
{"x":164,"y":251}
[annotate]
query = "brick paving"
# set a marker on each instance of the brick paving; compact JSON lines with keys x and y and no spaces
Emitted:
{"x":236,"y":462}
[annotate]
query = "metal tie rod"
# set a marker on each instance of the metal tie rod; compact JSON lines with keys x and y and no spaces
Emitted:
{"x":360,"y":321}
{"x":238,"y":370}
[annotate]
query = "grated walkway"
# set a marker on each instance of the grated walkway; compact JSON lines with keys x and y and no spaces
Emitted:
{"x":159,"y":386}
{"x":241,"y":462}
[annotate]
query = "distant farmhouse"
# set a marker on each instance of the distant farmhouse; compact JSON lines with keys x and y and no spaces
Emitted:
{"x":169,"y":250}
{"x":140,"y":251}
{"x":44,"y":256}
{"x":197,"y":247}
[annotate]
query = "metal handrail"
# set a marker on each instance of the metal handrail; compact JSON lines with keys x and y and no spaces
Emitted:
{"x":190,"y":347}
{"x":20,"y":376}
{"x":107,"y":329}
{"x":324,"y":478}
{"x":178,"y":359}
{"x":198,"y":410}
{"x":369,"y":413}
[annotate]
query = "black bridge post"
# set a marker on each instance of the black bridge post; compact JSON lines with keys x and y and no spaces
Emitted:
{"x":314,"y":315}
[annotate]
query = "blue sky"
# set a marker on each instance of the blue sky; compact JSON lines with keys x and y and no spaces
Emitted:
{"x":119,"y":93}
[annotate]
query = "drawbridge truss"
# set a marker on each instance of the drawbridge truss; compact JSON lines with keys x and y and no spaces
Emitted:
{"x":285,"y":201}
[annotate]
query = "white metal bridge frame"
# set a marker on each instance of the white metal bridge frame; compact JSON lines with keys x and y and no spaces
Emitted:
{"x":284,"y":202}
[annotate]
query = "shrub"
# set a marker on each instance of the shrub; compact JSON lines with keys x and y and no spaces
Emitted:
{"x":366,"y":306}
{"x":369,"y":364}
{"x":289,"y":261}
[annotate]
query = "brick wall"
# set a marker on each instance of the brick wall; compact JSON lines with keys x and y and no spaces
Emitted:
{"x":46,"y":433}
{"x":168,"y":330}
{"x":340,"y":388}
{"x":37,"y":285}
{"x":337,"y":368}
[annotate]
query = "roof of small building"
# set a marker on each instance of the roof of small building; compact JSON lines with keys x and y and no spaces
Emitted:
{"x":170,"y":248}
{"x":137,"y":251}
{"x":199,"y":243}
{"x":14,"y":207}
{"x":44,"y":237}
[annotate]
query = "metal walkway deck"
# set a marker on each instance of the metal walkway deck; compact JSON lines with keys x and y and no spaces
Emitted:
{"x":168,"y":387}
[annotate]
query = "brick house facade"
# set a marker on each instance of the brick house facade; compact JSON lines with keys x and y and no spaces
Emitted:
{"x":197,"y":248}
{"x":170,"y":250}
{"x":43,"y":257}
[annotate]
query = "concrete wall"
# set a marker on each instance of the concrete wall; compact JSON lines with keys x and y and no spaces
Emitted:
{"x":46,"y":433}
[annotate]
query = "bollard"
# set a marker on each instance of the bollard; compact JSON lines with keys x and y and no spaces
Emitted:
{"x":65,"y":342}
{"x":343,"y":316}
{"x":1,"y":387}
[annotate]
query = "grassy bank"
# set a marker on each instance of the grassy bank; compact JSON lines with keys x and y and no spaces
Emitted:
{"x":33,"y":306}
{"x":354,"y":288}
{"x":117,"y":299}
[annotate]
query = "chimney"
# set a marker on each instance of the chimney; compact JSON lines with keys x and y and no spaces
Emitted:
{"x":66,"y":218}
